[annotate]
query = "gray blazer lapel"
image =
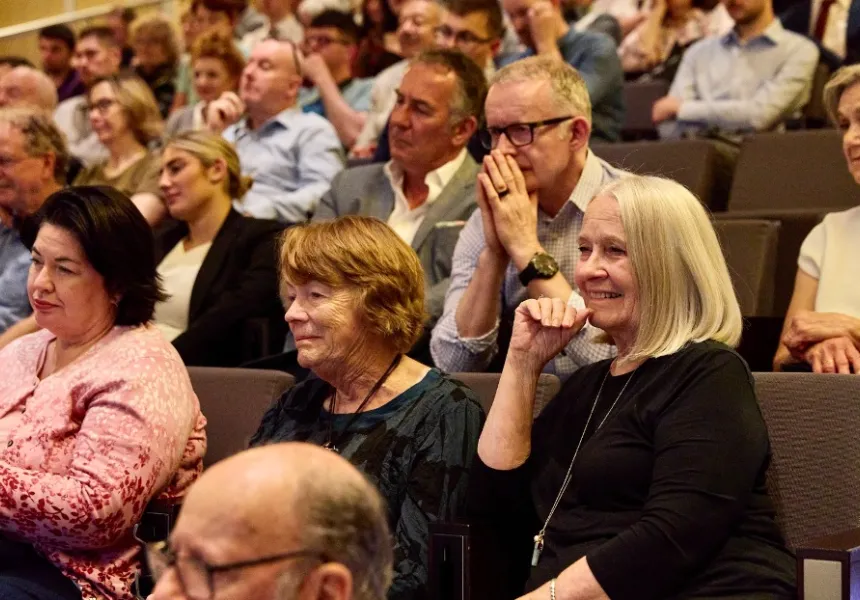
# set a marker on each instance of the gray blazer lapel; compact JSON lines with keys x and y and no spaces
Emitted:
{"x":378,"y":198}
{"x":459,"y":191}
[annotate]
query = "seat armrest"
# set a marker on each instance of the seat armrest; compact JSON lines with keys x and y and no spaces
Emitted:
{"x":828,"y":567}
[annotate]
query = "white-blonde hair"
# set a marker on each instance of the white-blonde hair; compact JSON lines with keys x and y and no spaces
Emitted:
{"x":844,"y":78}
{"x":685,"y":291}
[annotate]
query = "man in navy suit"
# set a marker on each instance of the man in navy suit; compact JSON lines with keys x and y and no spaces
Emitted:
{"x":832,"y":24}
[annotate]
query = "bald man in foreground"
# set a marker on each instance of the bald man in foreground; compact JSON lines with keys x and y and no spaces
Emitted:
{"x":286,"y":521}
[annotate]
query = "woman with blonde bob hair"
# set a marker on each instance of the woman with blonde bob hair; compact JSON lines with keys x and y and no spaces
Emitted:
{"x":822,"y":325}
{"x":218,"y":266}
{"x":645,"y":477}
{"x":354,"y":293}
{"x":124,"y":117}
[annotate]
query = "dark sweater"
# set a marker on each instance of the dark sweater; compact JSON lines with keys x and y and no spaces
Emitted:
{"x":668,"y":498}
{"x":417,"y":449}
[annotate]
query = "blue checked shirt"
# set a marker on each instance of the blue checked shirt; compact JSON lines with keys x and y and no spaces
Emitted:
{"x":14,"y":266}
{"x":559,"y":236}
{"x":292,"y":159}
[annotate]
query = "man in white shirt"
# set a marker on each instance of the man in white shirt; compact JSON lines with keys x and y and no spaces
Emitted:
{"x":832,"y":24}
{"x":97,"y":54}
{"x":427,"y":190}
{"x":418,"y":20}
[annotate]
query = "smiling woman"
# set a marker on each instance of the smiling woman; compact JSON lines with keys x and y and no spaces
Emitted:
{"x":97,"y":414}
{"x":355,"y":303}
{"x":620,"y":488}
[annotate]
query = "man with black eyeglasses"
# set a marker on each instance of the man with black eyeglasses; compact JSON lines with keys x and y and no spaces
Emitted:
{"x":331,"y":91}
{"x":287,"y":521}
{"x":522,"y":242}
{"x":475,"y":28}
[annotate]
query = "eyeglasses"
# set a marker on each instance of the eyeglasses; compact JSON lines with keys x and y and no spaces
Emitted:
{"x":102,"y":106}
{"x":195,"y":575}
{"x":321,"y":41}
{"x":519,"y":134}
{"x":463,"y":37}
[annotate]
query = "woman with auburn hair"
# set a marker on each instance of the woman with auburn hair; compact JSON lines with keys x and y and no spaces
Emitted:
{"x":644,"y":478}
{"x":217,"y":65}
{"x":822,"y":325}
{"x":218,"y":266}
{"x":124,"y":116}
{"x":354,"y":293}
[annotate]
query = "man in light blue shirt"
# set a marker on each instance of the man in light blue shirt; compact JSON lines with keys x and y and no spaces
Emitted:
{"x":33,"y":160}
{"x":750,"y":79}
{"x":291,"y":156}
{"x":329,"y":46}
{"x":543,"y":30}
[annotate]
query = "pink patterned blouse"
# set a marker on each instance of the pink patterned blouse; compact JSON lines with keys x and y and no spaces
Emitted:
{"x":92,"y":444}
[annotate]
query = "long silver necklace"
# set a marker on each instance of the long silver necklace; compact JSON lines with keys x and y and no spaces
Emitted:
{"x":539,"y":538}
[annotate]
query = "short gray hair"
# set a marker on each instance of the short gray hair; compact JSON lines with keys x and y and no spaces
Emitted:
{"x":41,"y":136}
{"x":346,"y":521}
{"x":844,"y":78}
{"x":568,"y":88}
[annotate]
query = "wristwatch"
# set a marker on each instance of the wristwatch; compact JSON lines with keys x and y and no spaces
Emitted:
{"x":541,"y":266}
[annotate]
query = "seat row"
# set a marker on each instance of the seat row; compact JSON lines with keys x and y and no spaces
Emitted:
{"x":812,"y":421}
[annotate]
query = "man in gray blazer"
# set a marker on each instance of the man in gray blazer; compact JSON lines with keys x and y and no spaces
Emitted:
{"x":426,"y":192}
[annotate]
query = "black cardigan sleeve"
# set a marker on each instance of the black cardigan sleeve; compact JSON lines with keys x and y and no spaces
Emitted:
{"x":253,"y":294}
{"x":710,"y":444}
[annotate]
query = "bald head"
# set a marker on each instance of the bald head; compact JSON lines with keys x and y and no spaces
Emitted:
{"x":281,"y":498}
{"x":271,"y":79}
{"x":24,"y":87}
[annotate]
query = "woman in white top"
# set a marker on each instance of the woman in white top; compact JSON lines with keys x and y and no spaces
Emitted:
{"x":822,"y":326}
{"x":218,"y":266}
{"x":216,"y":65}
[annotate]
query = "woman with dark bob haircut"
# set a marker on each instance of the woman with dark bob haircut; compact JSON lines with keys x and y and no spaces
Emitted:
{"x":354,"y":293}
{"x":97,"y":414}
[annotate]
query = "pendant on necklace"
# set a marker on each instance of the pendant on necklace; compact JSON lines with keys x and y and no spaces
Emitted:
{"x":537,"y":549}
{"x":331,"y":446}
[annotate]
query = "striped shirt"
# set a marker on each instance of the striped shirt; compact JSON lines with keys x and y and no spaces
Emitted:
{"x":558,"y":236}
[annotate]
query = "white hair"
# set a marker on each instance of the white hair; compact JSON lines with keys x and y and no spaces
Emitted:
{"x":685,"y":291}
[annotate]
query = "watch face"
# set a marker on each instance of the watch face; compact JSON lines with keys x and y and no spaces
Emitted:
{"x":545,"y":265}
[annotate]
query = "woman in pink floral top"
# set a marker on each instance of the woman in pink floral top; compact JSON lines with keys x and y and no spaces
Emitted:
{"x":97,"y":414}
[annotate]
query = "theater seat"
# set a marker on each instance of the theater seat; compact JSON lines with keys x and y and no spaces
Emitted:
{"x":749,"y":246}
{"x":813,"y":479}
{"x":691,"y":163}
{"x":486,"y":384}
{"x":796,"y":169}
{"x":639,"y":99}
{"x":233,"y":402}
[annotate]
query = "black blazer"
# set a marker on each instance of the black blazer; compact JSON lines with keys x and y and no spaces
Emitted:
{"x":796,"y":18}
{"x":237,"y":281}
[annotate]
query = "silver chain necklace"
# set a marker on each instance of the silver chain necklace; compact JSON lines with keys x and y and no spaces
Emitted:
{"x":539,"y":538}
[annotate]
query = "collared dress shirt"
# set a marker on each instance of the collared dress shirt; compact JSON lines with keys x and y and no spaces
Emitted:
{"x":14,"y":267}
{"x":292,"y":159}
{"x":742,"y":87}
{"x":836,"y":25}
{"x":559,"y":237}
{"x":405,"y":221}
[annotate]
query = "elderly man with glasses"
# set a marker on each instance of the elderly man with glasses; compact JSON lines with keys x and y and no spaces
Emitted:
{"x":522,"y":242}
{"x":33,"y":161}
{"x":280,"y":522}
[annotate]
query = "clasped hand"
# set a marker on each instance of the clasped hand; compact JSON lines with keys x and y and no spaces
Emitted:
{"x":508,"y":211}
{"x":542,"y":328}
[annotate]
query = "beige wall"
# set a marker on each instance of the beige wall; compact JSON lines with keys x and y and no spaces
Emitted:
{"x":14,"y":12}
